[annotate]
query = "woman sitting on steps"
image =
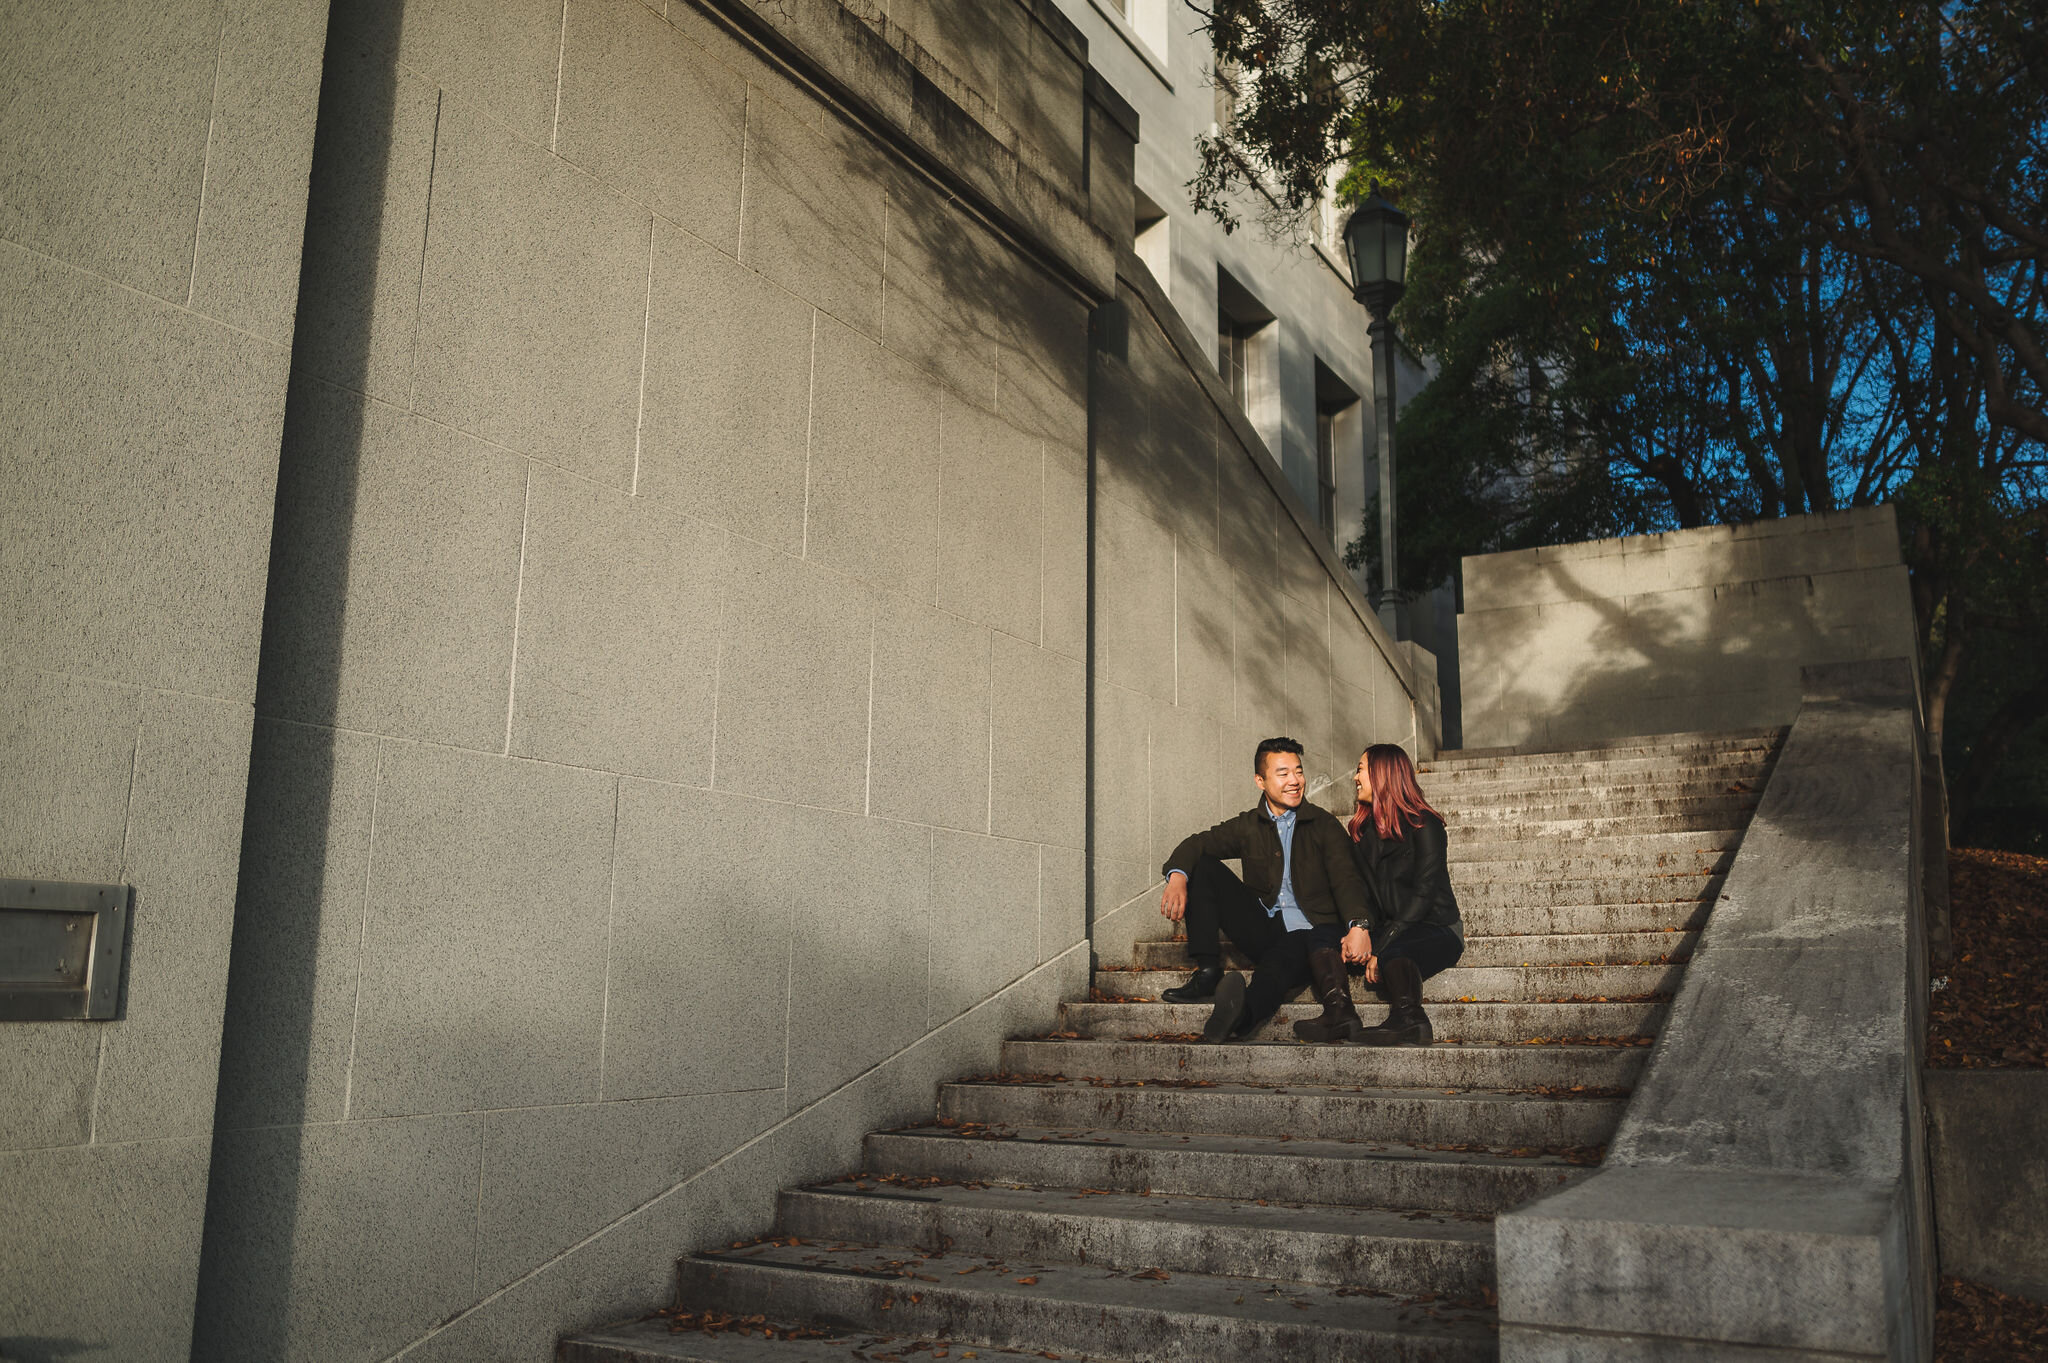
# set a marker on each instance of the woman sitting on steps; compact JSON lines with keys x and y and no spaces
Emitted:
{"x":1403,"y":855}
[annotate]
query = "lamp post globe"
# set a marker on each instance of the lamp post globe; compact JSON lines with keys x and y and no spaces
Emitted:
{"x":1376,"y":240}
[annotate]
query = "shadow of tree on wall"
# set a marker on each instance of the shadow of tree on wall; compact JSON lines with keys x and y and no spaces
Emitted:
{"x":1639,"y":664}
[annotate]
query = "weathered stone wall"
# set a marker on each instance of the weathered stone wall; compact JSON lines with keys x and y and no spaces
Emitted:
{"x":1990,"y":1175}
{"x":1767,"y":1189}
{"x":152,"y":186}
{"x":669,"y":754}
{"x":1690,"y":630}
{"x":1221,"y":618}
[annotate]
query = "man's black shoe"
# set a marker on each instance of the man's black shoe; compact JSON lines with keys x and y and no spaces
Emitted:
{"x":1201,"y":986}
{"x":1229,"y":1008}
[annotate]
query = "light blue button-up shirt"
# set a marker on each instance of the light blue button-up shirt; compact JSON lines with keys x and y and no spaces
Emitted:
{"x":1283,"y":904}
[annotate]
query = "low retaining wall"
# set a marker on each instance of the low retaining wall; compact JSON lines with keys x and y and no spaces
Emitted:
{"x":1691,"y":629}
{"x":1766,"y":1193}
{"x":1990,"y":1166}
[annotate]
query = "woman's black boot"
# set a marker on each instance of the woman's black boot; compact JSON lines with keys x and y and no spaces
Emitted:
{"x":1406,"y":1024}
{"x":1340,"y":1020}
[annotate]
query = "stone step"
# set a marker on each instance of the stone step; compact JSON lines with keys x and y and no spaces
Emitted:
{"x":1539,"y":858}
{"x":1591,"y":948}
{"x":1295,"y":1062}
{"x":657,"y":1340}
{"x":1661,"y":888}
{"x":1636,"y":777}
{"x":1441,"y":1251}
{"x":1617,"y":948}
{"x":1462,"y":1022}
{"x":1584,"y":805}
{"x":1649,"y":745}
{"x":1079,"y":1308}
{"x":1469,"y":983}
{"x":1598,"y":832}
{"x":1570,"y":802}
{"x":1277,"y":1168}
{"x":1535,"y":920}
{"x":1419,"y":1116}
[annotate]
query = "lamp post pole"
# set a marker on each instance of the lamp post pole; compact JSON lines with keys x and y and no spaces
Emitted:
{"x":1390,"y":602}
{"x":1376,"y":238}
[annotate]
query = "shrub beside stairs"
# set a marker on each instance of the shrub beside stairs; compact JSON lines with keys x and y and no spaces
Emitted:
{"x":1117,"y":1193}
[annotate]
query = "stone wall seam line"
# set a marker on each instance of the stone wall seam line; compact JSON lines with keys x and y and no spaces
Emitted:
{"x":611,"y":906}
{"x":348,"y":1078}
{"x":476,"y":1227}
{"x":518,"y":600}
{"x":99,"y":1064}
{"x":336,"y":1123}
{"x":739,"y":241}
{"x":99,"y":1070}
{"x":931,"y":849}
{"x":1044,"y":464}
{"x":1039,"y":953}
{"x":561,"y":61}
{"x":756,"y":1139}
{"x":789,"y":998}
{"x":208,"y":318}
{"x":220,"y":42}
{"x":867,"y":778}
{"x":718,"y":675}
{"x":412,"y":372}
{"x":646,"y":332}
{"x":989,"y":825}
{"x":128,"y":801}
{"x":810,"y":437}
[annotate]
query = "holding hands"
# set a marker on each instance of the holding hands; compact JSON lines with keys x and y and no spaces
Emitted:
{"x":1358,"y":951}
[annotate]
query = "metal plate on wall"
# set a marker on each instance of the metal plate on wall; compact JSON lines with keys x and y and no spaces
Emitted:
{"x":61,"y":948}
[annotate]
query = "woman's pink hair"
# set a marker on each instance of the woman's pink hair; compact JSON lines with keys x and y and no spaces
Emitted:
{"x":1397,"y":804}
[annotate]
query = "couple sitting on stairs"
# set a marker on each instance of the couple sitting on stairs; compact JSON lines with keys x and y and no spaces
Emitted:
{"x":1316,"y":897}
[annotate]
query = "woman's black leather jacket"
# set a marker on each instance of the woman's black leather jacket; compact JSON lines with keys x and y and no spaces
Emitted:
{"x":1408,"y":878}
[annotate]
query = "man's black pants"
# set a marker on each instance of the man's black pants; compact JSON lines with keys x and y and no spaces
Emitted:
{"x":1220,"y":906}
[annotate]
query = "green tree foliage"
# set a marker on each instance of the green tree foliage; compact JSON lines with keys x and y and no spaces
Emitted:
{"x":1685,"y":262}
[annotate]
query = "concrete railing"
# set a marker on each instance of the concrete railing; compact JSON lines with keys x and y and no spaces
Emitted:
{"x":1766,"y":1194}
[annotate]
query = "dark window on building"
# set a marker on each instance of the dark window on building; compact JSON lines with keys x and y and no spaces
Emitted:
{"x":1326,"y":467}
{"x":1245,"y":338}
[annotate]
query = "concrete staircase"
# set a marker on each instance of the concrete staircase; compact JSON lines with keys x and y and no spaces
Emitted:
{"x":1115,"y":1192}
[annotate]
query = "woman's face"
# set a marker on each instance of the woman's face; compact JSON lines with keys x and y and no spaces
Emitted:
{"x":1364,"y":782}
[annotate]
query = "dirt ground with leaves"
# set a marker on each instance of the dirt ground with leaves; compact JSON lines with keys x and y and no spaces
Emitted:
{"x":1974,"y":1324}
{"x":1991,"y":1014}
{"x":1993,"y":1011}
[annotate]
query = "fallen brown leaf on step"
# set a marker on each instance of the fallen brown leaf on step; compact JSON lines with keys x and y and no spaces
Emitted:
{"x":1028,"y":1282}
{"x":1157,"y":1275}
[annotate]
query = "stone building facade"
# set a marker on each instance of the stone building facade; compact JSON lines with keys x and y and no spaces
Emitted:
{"x":630,"y":584}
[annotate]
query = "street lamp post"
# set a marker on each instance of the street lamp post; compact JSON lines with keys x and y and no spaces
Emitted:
{"x":1376,"y":238}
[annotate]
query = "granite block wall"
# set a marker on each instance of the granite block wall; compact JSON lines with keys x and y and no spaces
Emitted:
{"x":669,"y":746}
{"x":153,"y":164}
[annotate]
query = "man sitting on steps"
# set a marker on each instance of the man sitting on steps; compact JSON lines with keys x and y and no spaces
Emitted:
{"x":1300,"y":888}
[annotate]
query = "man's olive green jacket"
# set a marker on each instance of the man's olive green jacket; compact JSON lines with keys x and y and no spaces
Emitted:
{"x":1326,"y":882}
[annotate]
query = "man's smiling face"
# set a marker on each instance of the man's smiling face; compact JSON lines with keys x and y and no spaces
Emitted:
{"x":1282,"y":780}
